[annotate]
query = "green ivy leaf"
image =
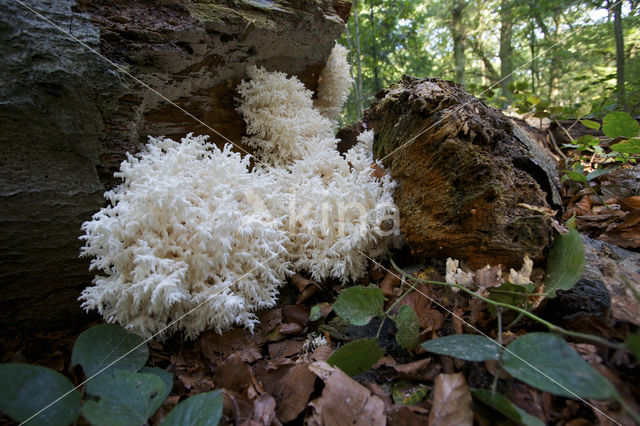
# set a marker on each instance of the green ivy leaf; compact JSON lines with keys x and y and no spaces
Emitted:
{"x":591,"y":124}
{"x":125,"y":398}
{"x":407,"y":328}
{"x":565,"y":263}
{"x":469,"y":347}
{"x":103,"y":344}
{"x":601,"y":171}
{"x":203,"y":409}
{"x":631,"y":146}
{"x":620,"y":123}
{"x":583,"y":110}
{"x":359,"y":304}
{"x":545,"y":361}
{"x":356,"y":357}
{"x":505,"y":407}
{"x":405,"y":393}
{"x":26,"y":389}
{"x":167,"y":378}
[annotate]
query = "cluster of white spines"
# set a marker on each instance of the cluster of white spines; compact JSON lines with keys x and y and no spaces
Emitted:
{"x":334,"y":84}
{"x":192,"y":234}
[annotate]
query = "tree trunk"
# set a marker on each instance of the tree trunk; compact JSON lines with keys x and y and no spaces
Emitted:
{"x":466,"y":175}
{"x":617,"y":28}
{"x":377,"y":85}
{"x":69,"y":117}
{"x":356,"y":25}
{"x":458,"y":35}
{"x":506,"y":50}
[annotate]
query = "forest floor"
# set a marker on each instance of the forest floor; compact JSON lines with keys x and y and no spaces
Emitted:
{"x":267,"y":379}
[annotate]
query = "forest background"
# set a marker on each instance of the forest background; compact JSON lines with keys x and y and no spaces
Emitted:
{"x":546,"y":57}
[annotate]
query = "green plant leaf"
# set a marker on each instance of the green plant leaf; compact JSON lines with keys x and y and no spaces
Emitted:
{"x":545,"y":361}
{"x":469,"y":347}
{"x":505,"y":407}
{"x":600,"y":171}
{"x":591,"y":124}
{"x":356,"y":357}
{"x":578,"y":177}
{"x":620,"y":123}
{"x":125,"y":398}
{"x":632,"y":146}
{"x":359,"y":304}
{"x":26,"y":389}
{"x":513,"y":294}
{"x":565,"y":263}
{"x":583,"y":110}
{"x":167,"y":378}
{"x":203,"y":409}
{"x":633,"y":342}
{"x":406,"y":393}
{"x":103,"y":344}
{"x":407,"y":327}
{"x":533,"y":99}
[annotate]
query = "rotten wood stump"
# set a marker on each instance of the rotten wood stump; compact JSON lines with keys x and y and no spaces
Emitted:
{"x":472,"y":185}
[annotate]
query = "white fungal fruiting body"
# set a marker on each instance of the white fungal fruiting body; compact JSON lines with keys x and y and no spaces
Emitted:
{"x":192,"y":236}
{"x":180,"y":231}
{"x":335,"y":82}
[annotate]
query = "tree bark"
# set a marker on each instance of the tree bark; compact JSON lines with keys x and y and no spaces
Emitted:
{"x":69,"y":117}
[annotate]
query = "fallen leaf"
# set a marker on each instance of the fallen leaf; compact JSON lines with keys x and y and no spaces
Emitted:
{"x":305,"y":286}
{"x":285,"y":348}
{"x":296,"y":314}
{"x":233,"y":374}
{"x":451,"y":401}
{"x":322,"y":353}
{"x":264,"y":410}
{"x":291,"y":328}
{"x":389,"y":283}
{"x":545,"y":211}
{"x":292,"y":392}
{"x":216,"y":348}
{"x":344,"y":401}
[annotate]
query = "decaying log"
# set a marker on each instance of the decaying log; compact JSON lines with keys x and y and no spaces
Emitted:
{"x":466,"y":174}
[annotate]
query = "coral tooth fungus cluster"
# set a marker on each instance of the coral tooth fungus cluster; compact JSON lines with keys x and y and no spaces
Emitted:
{"x":196,"y":239}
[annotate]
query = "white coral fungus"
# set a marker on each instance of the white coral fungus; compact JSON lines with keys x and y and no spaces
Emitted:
{"x":455,"y":275}
{"x":193,"y":235}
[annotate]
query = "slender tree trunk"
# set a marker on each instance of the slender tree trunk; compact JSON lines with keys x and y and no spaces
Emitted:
{"x":617,"y":29}
{"x":532,"y":49}
{"x":374,"y":51}
{"x":506,"y":50}
{"x":458,"y":35}
{"x":356,"y":25}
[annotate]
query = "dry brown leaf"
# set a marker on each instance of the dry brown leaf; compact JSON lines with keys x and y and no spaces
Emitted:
{"x":322,"y":353}
{"x":305,"y":286}
{"x":216,"y":347}
{"x":233,"y":374}
{"x":451,"y":401}
{"x":344,"y":401}
{"x":630,"y":203}
{"x":292,"y":392}
{"x":285,"y":348}
{"x":377,"y":171}
{"x":290,"y":328}
{"x":264,"y":410}
{"x":296,"y":313}
{"x":401,"y":415}
{"x":389,"y":282}
{"x":625,"y":238}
